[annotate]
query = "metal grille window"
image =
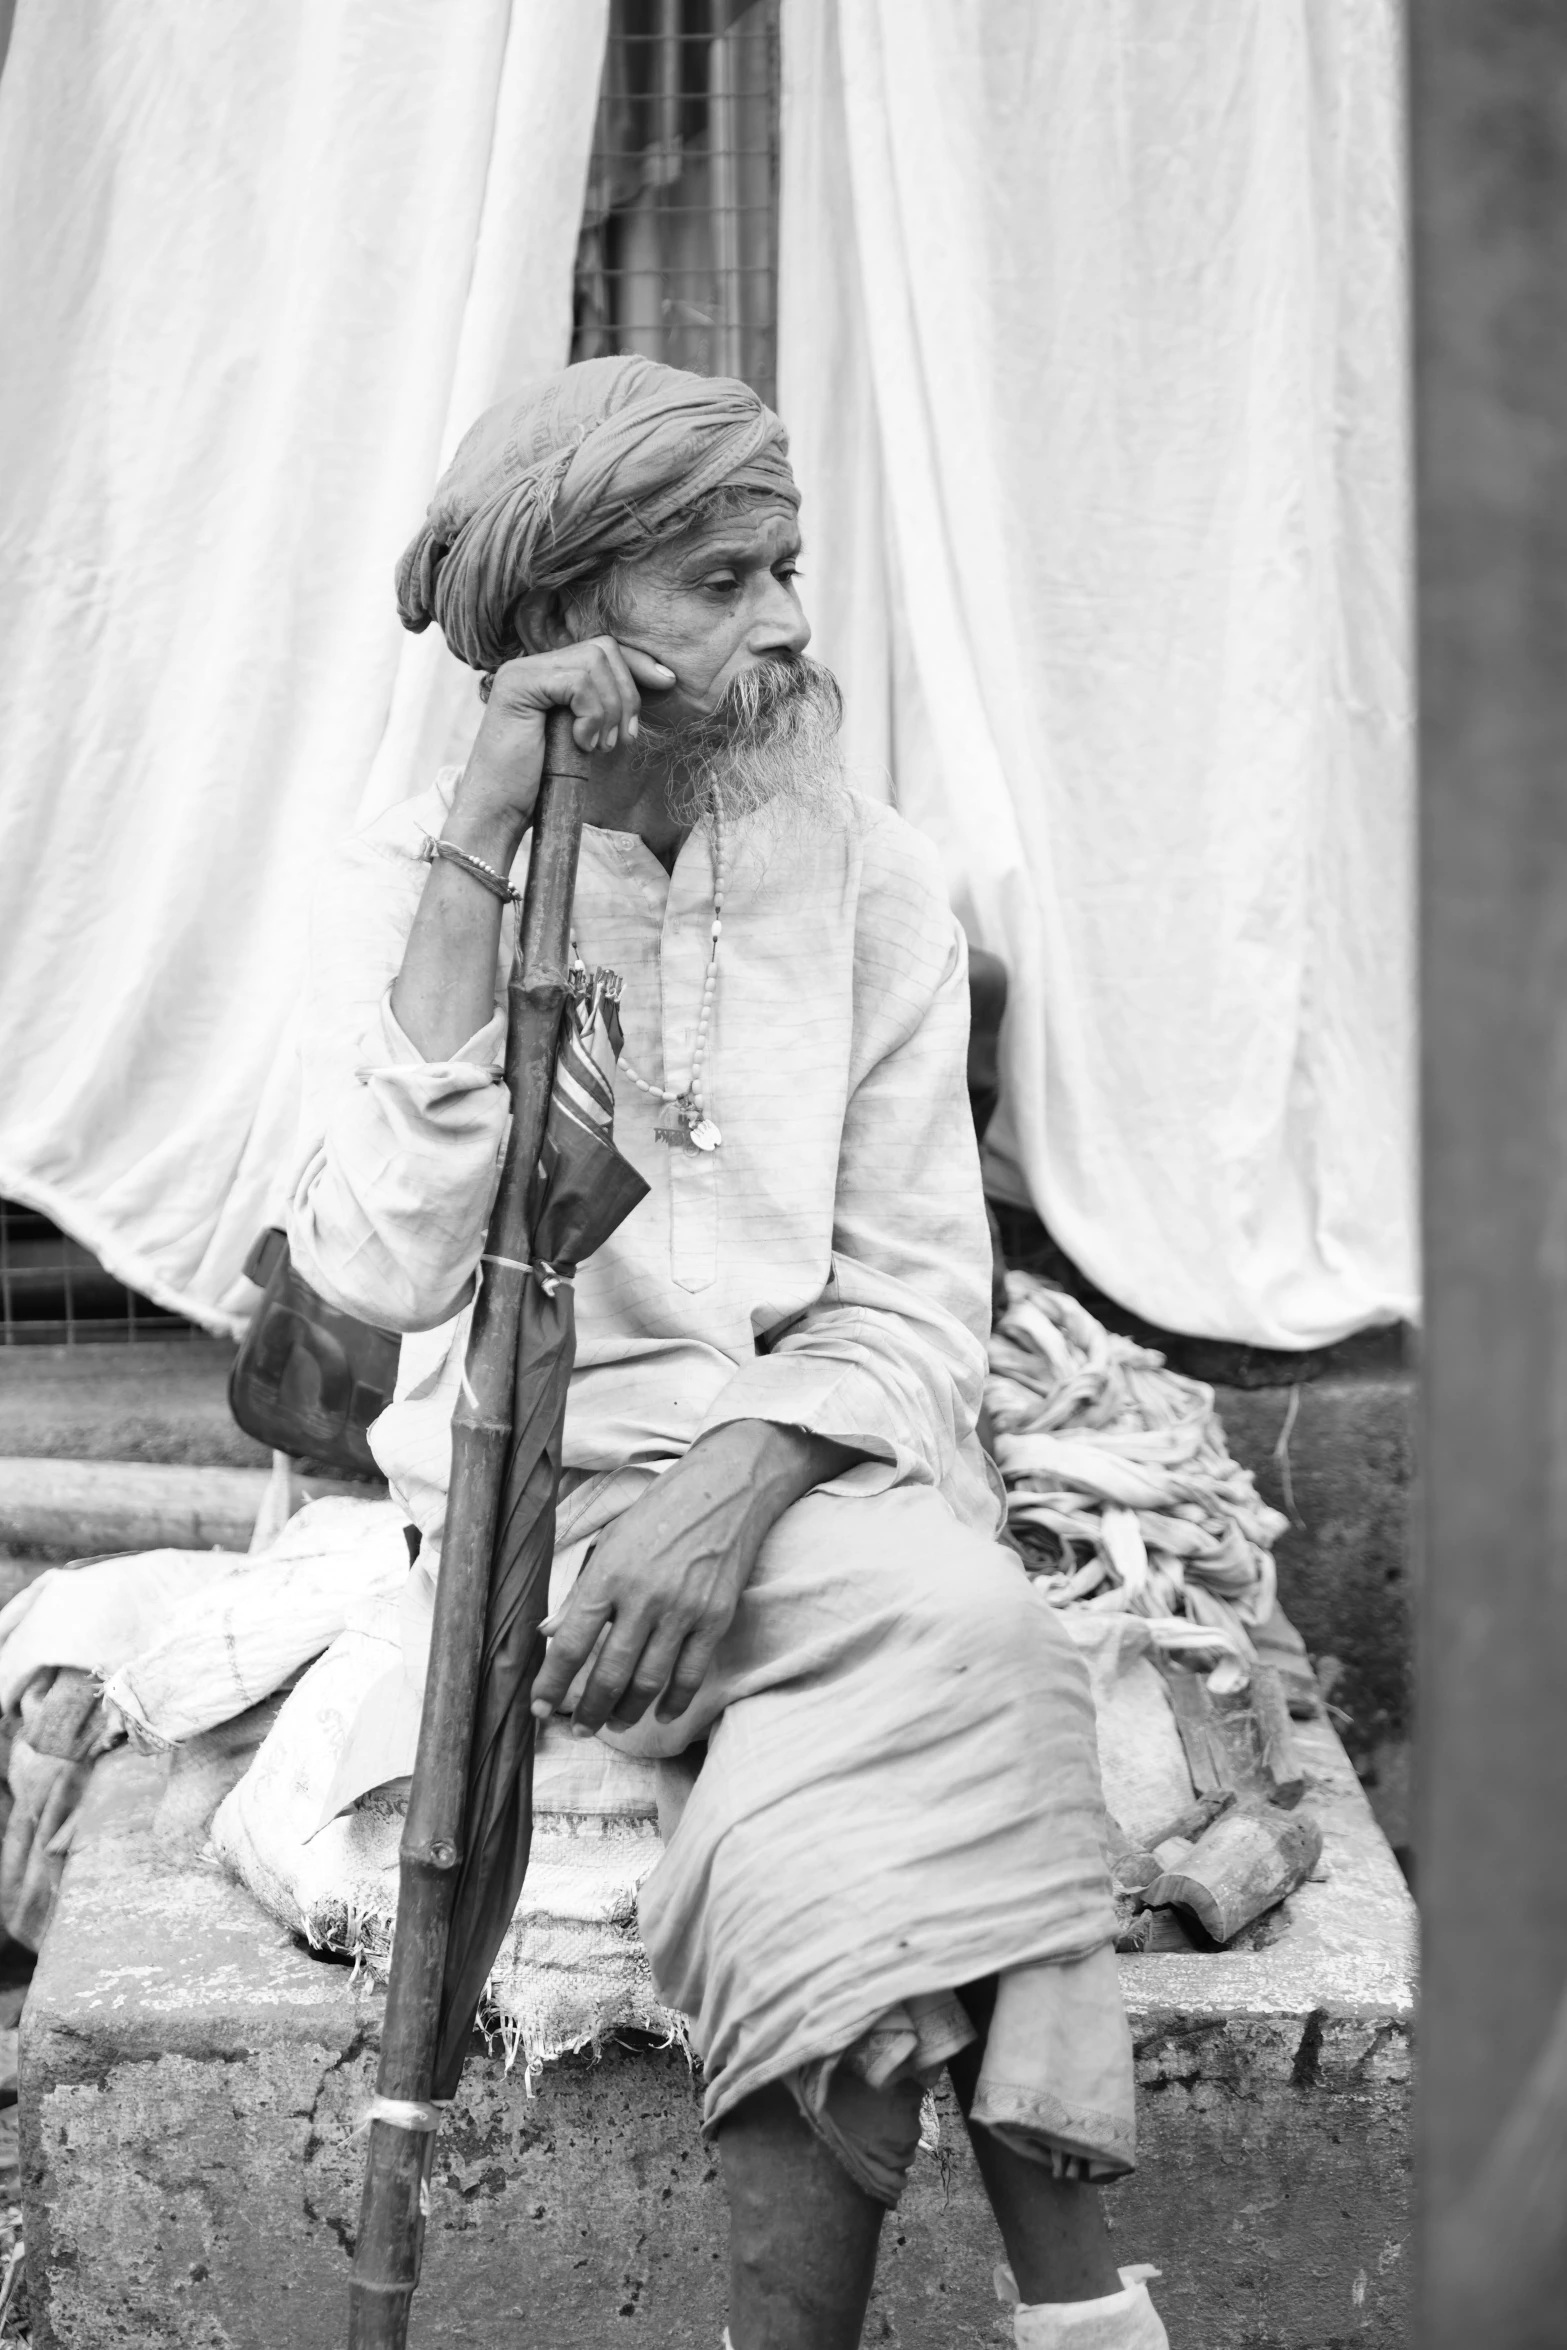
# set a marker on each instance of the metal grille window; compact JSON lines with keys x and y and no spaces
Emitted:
{"x":679,"y":252}
{"x":54,"y":1293}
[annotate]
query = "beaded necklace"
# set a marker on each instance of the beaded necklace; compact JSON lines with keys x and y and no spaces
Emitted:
{"x":689,"y":1127}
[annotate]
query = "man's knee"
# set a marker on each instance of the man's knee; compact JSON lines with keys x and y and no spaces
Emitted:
{"x":802,"y":2234}
{"x":980,"y":1598}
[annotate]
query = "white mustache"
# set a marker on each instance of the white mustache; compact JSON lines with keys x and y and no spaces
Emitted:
{"x":771,"y":743}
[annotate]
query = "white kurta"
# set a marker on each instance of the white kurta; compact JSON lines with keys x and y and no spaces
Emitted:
{"x":827,"y":1267}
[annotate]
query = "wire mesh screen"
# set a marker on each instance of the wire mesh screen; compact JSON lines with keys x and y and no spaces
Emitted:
{"x":678,"y":257}
{"x":53,"y":1292}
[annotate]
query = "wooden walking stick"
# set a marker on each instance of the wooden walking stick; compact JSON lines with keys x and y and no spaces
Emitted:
{"x":403,"y":2123}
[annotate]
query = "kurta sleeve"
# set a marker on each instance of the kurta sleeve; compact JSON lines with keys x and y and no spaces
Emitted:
{"x":399,"y":1157}
{"x":890,"y":1358}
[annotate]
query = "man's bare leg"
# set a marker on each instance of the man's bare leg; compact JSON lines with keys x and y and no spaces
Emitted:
{"x":1054,"y":2229}
{"x":802,"y":2235}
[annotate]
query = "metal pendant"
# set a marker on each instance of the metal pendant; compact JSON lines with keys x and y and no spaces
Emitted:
{"x":684,"y":1127}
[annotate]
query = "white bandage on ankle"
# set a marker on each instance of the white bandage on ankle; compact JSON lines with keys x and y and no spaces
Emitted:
{"x":1126,"y":2320}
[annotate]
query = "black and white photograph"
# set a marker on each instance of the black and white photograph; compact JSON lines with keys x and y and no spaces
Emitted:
{"x":783,"y":1174}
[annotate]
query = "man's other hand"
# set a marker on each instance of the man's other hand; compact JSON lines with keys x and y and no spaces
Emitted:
{"x":649,"y":1609}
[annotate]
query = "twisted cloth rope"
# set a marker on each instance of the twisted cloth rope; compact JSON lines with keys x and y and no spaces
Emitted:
{"x":1119,"y":1488}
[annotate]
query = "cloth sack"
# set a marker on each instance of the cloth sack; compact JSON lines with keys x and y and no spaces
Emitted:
{"x":572,"y":1966}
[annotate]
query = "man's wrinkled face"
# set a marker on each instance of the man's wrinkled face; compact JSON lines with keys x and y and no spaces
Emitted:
{"x":750,"y":723}
{"x":714,"y":605}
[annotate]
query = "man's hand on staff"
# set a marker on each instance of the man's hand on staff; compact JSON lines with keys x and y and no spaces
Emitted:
{"x":601,"y":682}
{"x":661,"y":1588}
{"x":445,"y":991}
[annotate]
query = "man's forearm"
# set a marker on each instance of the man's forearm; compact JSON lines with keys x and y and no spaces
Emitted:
{"x":445,"y":990}
{"x":772,"y":1464}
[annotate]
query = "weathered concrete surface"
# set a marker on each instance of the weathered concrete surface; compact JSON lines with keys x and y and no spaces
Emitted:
{"x":1337,"y":1457}
{"x":1275,"y":2183}
{"x":190,"y":2080}
{"x":163,"y":1399}
{"x":88,"y":1507}
{"x":68,"y":1509}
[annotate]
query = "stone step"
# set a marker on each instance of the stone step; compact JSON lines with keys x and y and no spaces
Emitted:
{"x":191,"y":2080}
{"x":163,"y":1399}
{"x":85,"y":1508}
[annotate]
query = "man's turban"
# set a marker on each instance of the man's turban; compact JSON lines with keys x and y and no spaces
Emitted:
{"x":568,"y":475}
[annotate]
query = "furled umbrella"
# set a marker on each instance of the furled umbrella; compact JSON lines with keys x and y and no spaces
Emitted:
{"x":584,"y":1190}
{"x":564,"y":1188}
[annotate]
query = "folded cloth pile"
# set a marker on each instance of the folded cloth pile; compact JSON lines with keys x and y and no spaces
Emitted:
{"x":173,"y":1647}
{"x":1120,"y":1491}
{"x":241,"y":1635}
{"x":63,"y":1729}
{"x":58,"y":1636}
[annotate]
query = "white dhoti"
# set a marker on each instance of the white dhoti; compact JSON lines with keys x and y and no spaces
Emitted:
{"x":900,"y":1796}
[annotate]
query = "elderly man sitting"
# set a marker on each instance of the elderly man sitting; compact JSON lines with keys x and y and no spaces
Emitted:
{"x":890,"y":1860}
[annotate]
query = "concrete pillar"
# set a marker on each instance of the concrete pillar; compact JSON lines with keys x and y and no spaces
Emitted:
{"x":1489,"y":126}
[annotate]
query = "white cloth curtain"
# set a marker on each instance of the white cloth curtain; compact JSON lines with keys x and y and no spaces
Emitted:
{"x":259,"y":268}
{"x":1092,"y":350}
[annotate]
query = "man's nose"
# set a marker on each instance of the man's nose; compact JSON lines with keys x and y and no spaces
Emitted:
{"x":780,"y":626}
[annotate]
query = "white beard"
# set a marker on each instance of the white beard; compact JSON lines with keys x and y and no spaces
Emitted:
{"x":772,"y":744}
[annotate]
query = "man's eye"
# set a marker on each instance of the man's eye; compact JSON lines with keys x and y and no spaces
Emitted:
{"x":722,"y":583}
{"x":788,"y":573}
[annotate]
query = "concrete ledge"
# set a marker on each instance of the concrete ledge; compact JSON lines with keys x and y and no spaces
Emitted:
{"x":87,"y":1507}
{"x":81,"y":1509}
{"x":163,"y":1399}
{"x":190,"y":2080}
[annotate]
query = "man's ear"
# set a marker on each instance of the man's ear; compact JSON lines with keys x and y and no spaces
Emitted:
{"x":539,"y":623}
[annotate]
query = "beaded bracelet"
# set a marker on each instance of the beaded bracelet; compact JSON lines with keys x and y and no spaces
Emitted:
{"x":486,"y":875}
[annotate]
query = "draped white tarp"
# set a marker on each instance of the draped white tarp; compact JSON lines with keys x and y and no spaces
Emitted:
{"x":1091,"y":347}
{"x":259,"y":267}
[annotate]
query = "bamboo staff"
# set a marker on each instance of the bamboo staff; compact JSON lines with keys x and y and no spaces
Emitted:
{"x":397,"y":2169}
